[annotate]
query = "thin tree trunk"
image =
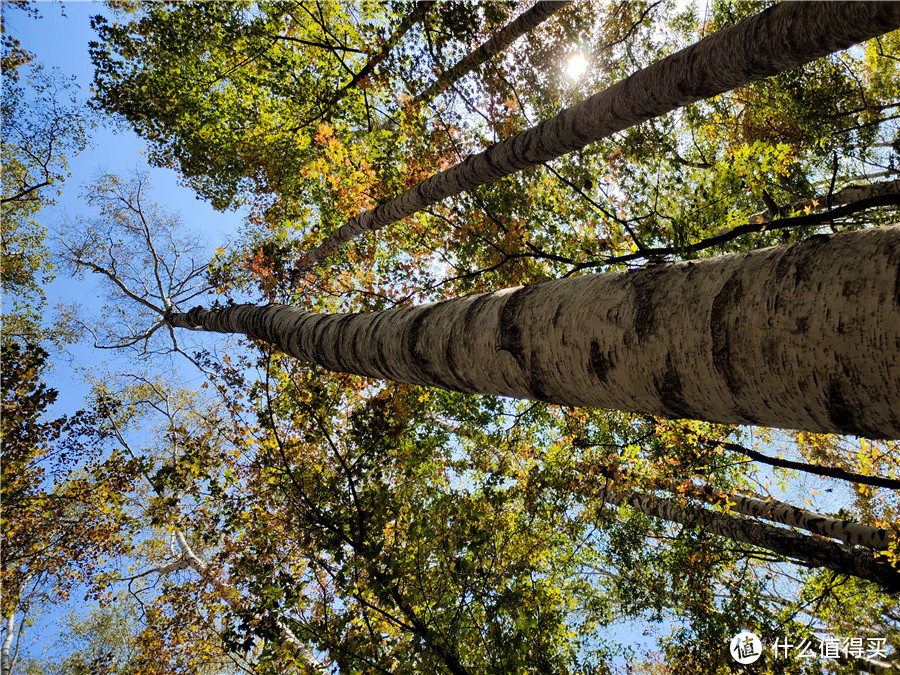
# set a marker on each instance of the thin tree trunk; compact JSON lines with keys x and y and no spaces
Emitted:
{"x":408,"y":22}
{"x":778,"y":39}
{"x":810,"y":550}
{"x":310,"y":663}
{"x":802,"y":336}
{"x":525,"y":23}
{"x":780,"y":512}
{"x":848,"y":195}
{"x":6,"y":662}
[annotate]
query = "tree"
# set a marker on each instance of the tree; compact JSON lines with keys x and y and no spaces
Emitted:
{"x":133,"y":244}
{"x":43,"y":123}
{"x":633,"y":341}
{"x":64,"y":510}
{"x":388,"y":526}
{"x":735,"y":56}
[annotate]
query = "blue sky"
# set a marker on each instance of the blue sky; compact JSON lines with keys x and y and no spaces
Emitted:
{"x":59,"y":39}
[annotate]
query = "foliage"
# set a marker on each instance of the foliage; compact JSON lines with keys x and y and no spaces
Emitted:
{"x":394,"y":528}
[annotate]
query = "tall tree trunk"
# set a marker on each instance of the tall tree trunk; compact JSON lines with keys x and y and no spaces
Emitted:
{"x":782,"y":37}
{"x":410,"y":20}
{"x":808,"y":549}
{"x":526,"y":22}
{"x":772,"y":509}
{"x":803,"y":336}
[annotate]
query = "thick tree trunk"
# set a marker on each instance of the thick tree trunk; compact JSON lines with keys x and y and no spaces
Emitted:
{"x":809,"y":550}
{"x":804,"y":336}
{"x":788,"y":514}
{"x":780,"y":38}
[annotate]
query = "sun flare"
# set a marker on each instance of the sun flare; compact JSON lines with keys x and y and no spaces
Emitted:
{"x":576,"y":66}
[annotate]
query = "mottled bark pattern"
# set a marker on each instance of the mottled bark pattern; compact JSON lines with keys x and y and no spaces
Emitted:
{"x":780,"y":38}
{"x":804,"y":336}
{"x":811,"y":550}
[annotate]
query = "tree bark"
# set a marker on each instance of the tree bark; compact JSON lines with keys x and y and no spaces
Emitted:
{"x":772,"y":509}
{"x":778,"y":39}
{"x":803,"y":336}
{"x":523,"y":24}
{"x":310,"y":663}
{"x":810,"y":550}
{"x":6,"y":662}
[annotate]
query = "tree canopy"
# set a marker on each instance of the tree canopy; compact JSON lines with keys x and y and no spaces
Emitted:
{"x":246,"y":512}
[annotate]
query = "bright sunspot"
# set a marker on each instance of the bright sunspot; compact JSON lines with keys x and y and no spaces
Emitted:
{"x":576,"y":67}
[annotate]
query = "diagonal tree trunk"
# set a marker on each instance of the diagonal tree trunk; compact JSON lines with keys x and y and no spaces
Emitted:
{"x":803,"y":336}
{"x":414,"y":17}
{"x":778,"y":39}
{"x":808,"y":549}
{"x":848,"y":195}
{"x":523,"y":24}
{"x":772,"y":509}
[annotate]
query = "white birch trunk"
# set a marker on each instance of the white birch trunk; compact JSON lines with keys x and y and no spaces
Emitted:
{"x":780,"y":512}
{"x":847,"y":195}
{"x":803,"y":336}
{"x":310,"y":663}
{"x":780,"y":38}
{"x":808,"y":549}
{"x":6,"y":660}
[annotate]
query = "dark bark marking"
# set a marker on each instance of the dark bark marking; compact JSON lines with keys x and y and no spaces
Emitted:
{"x":416,"y":354}
{"x":671,"y":393}
{"x":894,"y":261}
{"x":851,"y":288}
{"x":802,"y":326}
{"x":557,"y":316}
{"x":599,"y":363}
{"x":510,"y":339}
{"x":324,"y":339}
{"x":729,"y":297}
{"x":645,"y":284}
{"x":841,"y":410}
{"x":475,"y":307}
{"x":381,"y":353}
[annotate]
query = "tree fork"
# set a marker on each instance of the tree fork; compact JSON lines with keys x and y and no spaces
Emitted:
{"x":803,"y":336}
{"x":780,"y":38}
